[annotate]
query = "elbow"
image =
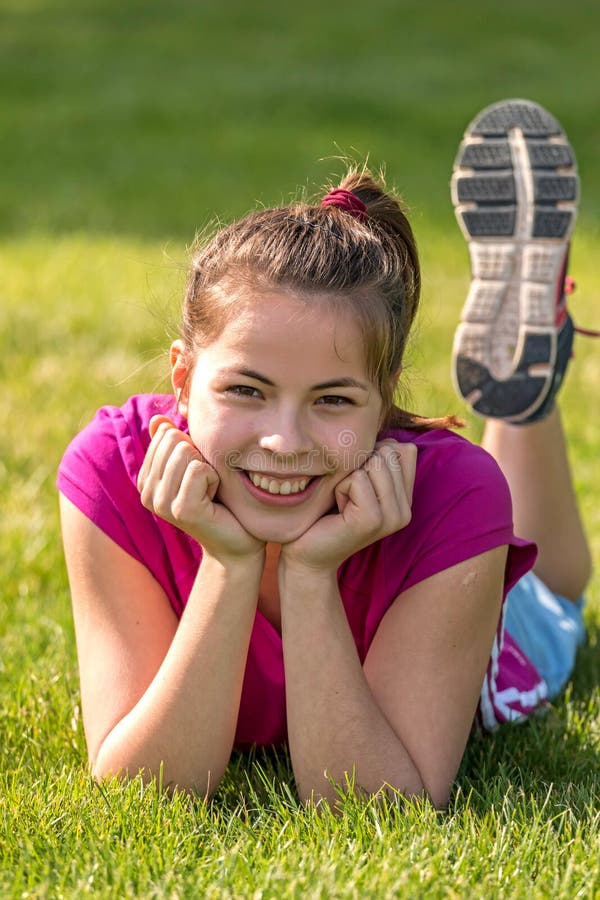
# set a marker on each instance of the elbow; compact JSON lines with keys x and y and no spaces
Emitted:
{"x":438,"y":790}
{"x":439,"y":798}
{"x":334,"y":799}
{"x":327,"y":792}
{"x":102,"y":772}
{"x":166,"y":780}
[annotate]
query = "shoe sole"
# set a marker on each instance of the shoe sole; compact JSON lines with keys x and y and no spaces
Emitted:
{"x":515,"y":191}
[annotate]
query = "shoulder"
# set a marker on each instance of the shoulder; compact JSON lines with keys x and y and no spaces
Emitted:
{"x":118,"y":433}
{"x":99,"y":469}
{"x":449,"y":465}
{"x":132,"y":418}
{"x":461,"y":507}
{"x":98,"y":474}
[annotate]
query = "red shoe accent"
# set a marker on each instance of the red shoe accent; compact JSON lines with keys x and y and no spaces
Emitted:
{"x":569,"y":287}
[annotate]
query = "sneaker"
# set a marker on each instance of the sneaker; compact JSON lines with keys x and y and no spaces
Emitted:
{"x":515,"y":190}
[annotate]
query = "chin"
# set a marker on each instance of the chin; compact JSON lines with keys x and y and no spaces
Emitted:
{"x":279,"y":526}
{"x":271,"y":534}
{"x":277,"y":532}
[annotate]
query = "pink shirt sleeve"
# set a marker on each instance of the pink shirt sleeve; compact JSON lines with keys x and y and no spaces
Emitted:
{"x":98,"y":474}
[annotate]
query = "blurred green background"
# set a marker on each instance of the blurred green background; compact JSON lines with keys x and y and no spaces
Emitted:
{"x":145,"y":117}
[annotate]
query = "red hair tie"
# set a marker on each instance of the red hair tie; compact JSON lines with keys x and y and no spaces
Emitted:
{"x":347,"y":201}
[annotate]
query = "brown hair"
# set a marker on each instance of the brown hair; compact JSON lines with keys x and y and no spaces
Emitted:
{"x":368,"y":265}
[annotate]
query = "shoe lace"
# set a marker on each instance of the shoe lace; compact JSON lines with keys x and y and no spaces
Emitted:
{"x":570,"y":286}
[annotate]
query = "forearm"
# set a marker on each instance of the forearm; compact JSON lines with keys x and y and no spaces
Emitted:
{"x":335,"y":727}
{"x":185,"y":721}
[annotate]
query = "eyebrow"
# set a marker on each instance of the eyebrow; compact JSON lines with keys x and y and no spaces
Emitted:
{"x":345,"y":381}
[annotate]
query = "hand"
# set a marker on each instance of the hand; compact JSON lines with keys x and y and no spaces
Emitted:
{"x":372,"y":502}
{"x":179,"y":485}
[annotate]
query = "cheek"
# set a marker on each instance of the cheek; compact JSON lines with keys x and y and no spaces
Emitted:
{"x":349,"y":448}
{"x":217,"y":437}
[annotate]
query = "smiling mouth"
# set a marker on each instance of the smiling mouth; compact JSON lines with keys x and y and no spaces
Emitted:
{"x":272,"y":486}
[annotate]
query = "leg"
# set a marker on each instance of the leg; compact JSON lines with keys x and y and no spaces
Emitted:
{"x":515,"y":189}
{"x":534,"y":460}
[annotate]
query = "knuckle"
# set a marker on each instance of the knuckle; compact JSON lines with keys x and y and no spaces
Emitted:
{"x":162,"y":504}
{"x":387,"y":444}
{"x":401,"y":519}
{"x":172,"y":440}
{"x":392,"y":454}
{"x":197,"y":467}
{"x":180,"y":450}
{"x":368,"y":466}
{"x":178,"y":509}
{"x":162,"y":430}
{"x":375,"y":519}
{"x":161,"y":509}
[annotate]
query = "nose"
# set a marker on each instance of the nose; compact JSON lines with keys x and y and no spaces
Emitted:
{"x":286,"y":435}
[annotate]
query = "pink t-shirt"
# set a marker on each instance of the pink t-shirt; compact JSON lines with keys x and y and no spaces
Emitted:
{"x":461,"y":507}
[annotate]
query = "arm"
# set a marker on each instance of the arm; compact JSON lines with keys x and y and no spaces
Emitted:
{"x":404,"y":719}
{"x":155,"y":692}
{"x":158,"y":693}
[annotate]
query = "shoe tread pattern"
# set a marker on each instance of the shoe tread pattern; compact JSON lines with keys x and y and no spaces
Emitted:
{"x":484,"y":172}
{"x":515,"y":191}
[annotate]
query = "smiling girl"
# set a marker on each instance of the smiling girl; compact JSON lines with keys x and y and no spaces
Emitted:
{"x":278,"y":554}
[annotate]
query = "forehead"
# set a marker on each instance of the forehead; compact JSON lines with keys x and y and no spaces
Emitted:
{"x":276,"y":325}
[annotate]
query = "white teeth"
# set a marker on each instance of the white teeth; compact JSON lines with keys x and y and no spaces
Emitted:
{"x":277,"y":487}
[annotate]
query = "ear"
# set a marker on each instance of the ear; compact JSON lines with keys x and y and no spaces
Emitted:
{"x":181,"y":373}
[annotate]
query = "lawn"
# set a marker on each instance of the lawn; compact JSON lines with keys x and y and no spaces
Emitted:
{"x":123,"y":129}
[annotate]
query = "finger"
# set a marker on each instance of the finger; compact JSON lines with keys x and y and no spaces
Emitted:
{"x":390,"y":494}
{"x":153,"y":428}
{"x":163,"y":491}
{"x":386,"y":471}
{"x":166,"y":438}
{"x":357,"y":501}
{"x":155,"y":421}
{"x":198,"y":465}
{"x":197,"y":489}
{"x":401,"y":459}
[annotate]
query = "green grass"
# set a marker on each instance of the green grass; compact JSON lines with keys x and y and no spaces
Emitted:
{"x":124,"y":127}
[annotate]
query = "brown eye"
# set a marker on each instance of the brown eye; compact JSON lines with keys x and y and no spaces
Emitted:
{"x":334,"y":400}
{"x":244,"y":390}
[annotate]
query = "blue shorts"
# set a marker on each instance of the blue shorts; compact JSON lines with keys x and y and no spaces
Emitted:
{"x":547,"y":627}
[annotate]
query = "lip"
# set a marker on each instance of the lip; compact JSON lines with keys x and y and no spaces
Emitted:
{"x":280,"y":476}
{"x":280,"y":499}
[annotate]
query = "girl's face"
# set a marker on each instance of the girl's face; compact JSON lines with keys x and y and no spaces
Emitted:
{"x":282,"y":407}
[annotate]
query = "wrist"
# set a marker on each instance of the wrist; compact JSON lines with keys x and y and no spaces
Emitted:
{"x":293,"y":574}
{"x":243,"y":567}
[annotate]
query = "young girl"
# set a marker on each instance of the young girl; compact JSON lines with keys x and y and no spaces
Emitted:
{"x":277,"y":553}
